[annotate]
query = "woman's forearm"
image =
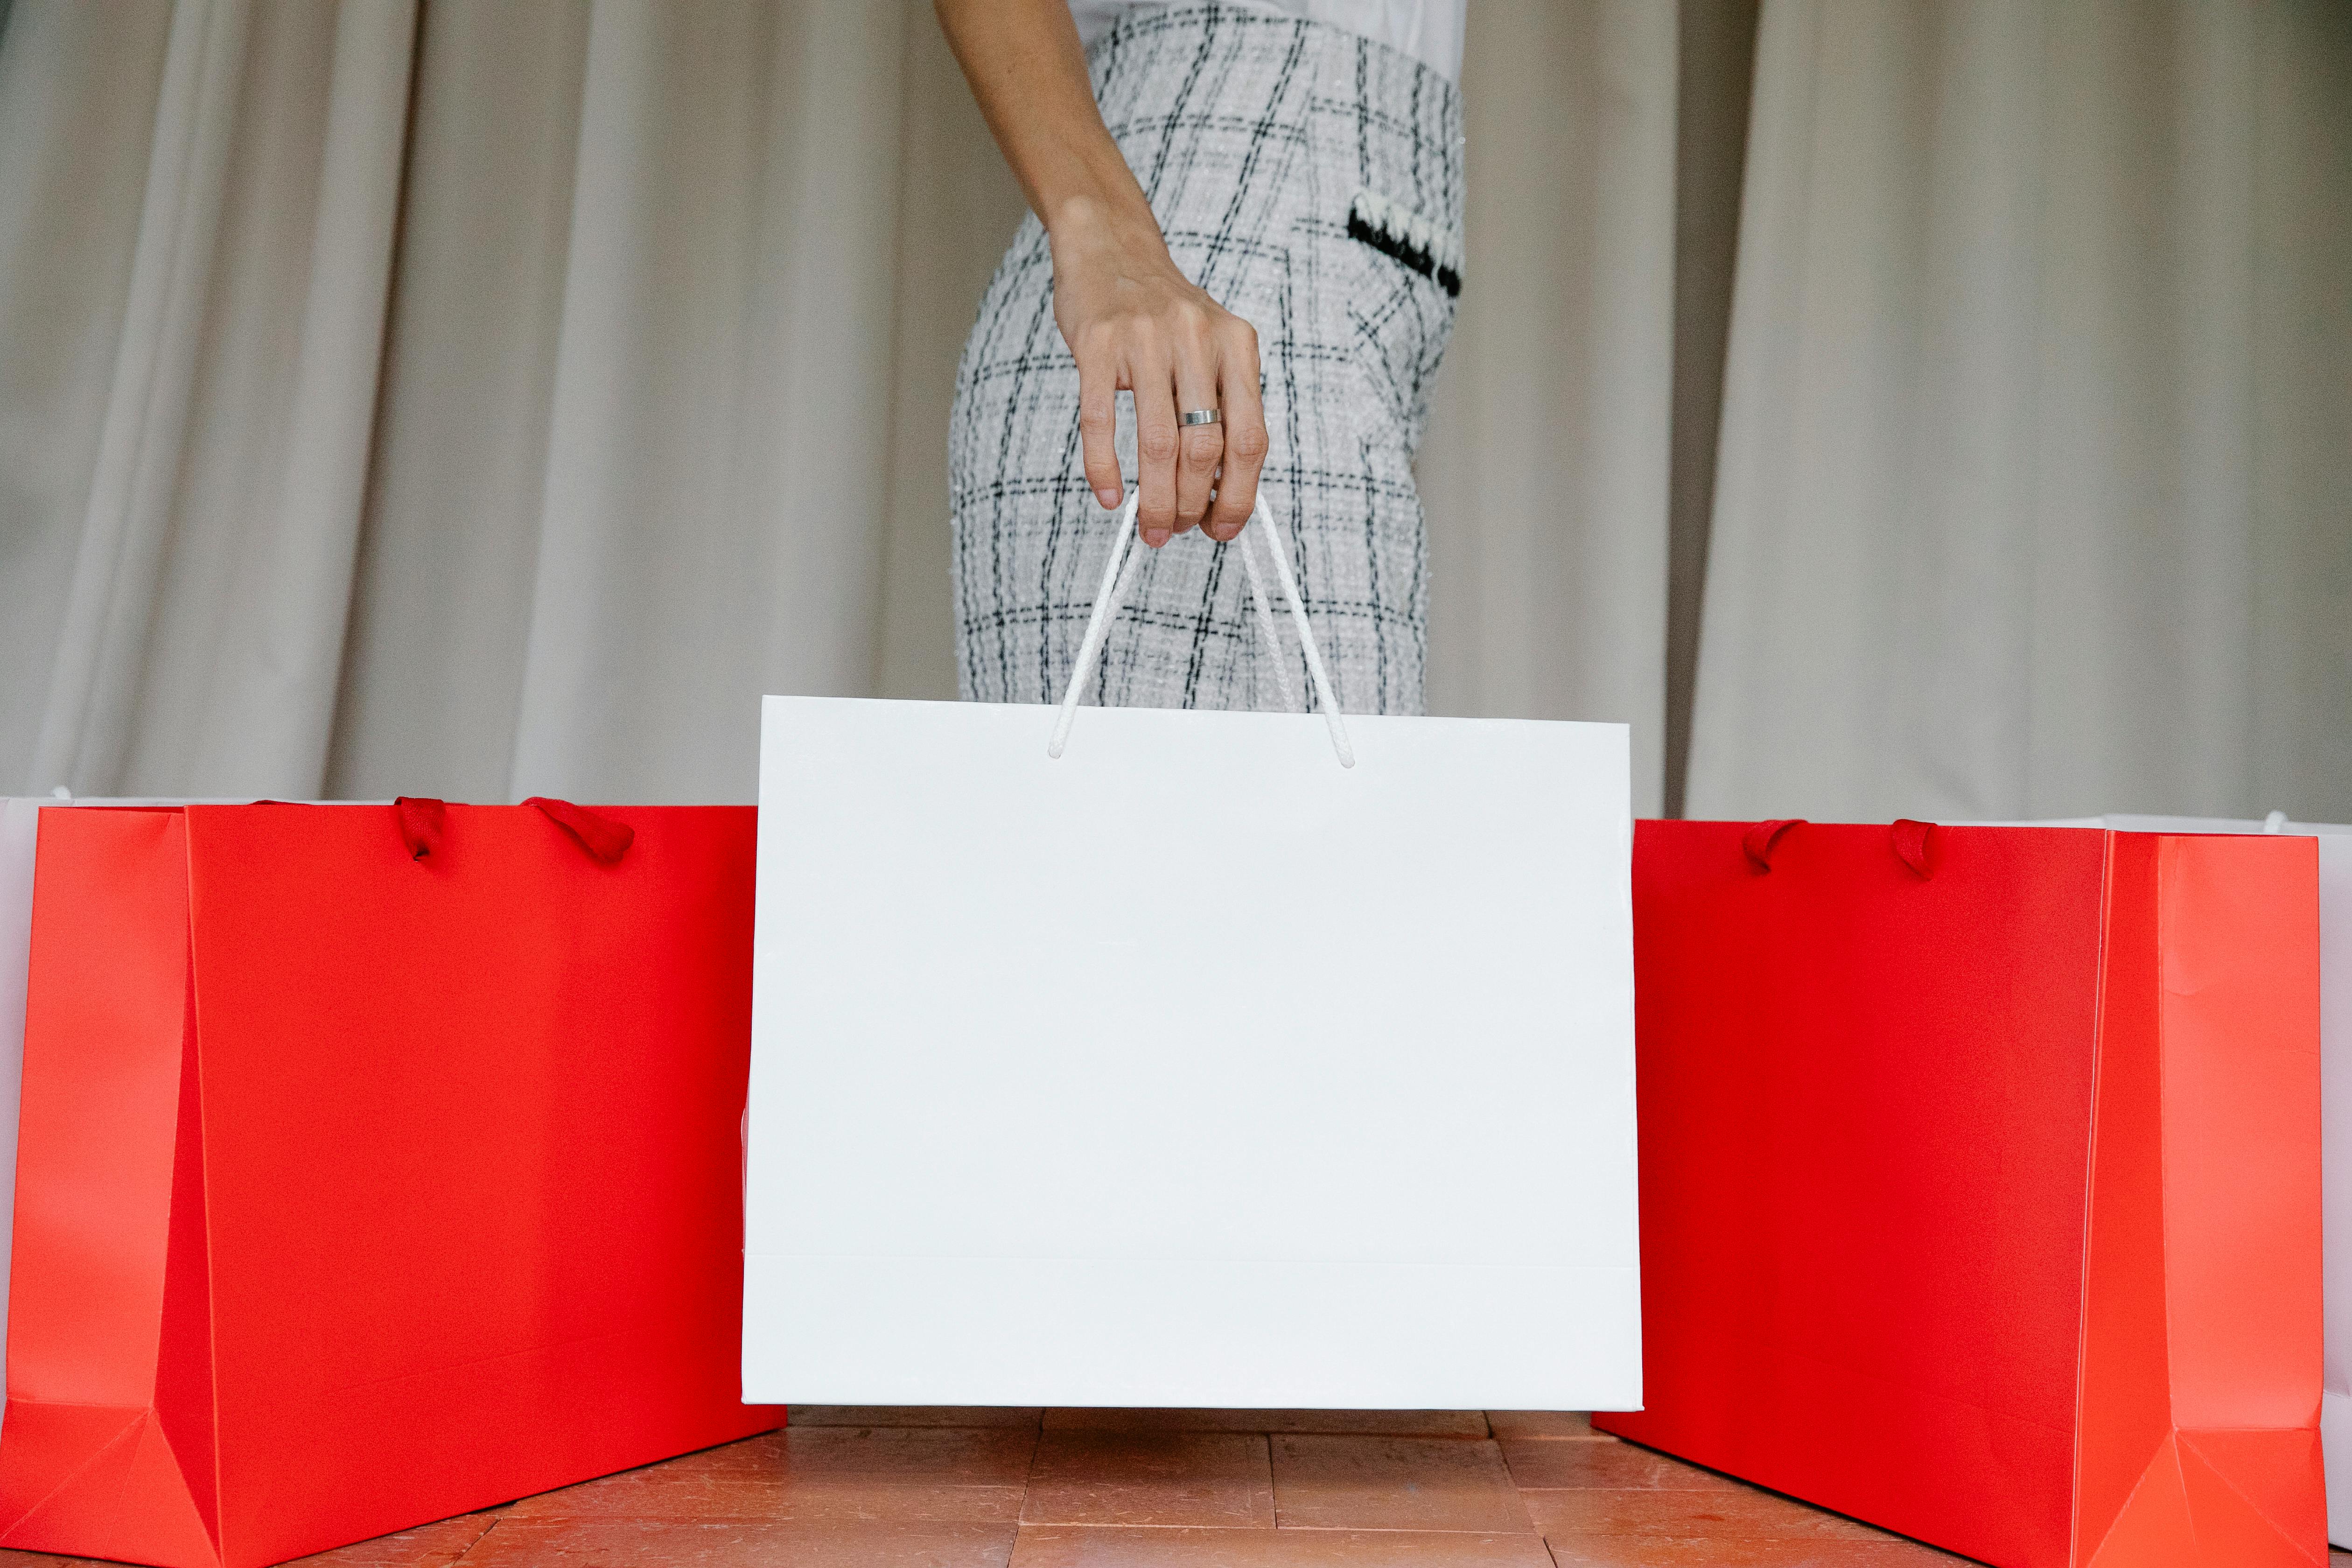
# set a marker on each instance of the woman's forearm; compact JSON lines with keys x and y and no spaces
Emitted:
{"x":1132,"y":320}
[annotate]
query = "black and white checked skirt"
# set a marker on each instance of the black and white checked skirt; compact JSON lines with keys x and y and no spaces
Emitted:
{"x":1310,"y":180}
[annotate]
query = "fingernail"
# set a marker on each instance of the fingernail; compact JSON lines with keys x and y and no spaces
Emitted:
{"x":1156,"y":537}
{"x":1108,"y":497}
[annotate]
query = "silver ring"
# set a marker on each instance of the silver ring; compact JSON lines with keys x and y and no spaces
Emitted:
{"x":1204,"y":416}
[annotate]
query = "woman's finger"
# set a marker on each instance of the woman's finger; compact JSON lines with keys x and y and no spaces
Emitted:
{"x":1245,"y":439}
{"x":1098,"y":427}
{"x":1200,"y":448}
{"x":1155,"y":442}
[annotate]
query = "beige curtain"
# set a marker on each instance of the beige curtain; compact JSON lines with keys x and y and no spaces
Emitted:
{"x":1543,"y":473}
{"x":2034,"y":493}
{"x":196,"y":210}
{"x":487,"y":399}
{"x":634,"y":440}
{"x":481,"y":399}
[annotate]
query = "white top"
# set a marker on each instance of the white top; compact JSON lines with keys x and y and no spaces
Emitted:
{"x":1429,"y":30}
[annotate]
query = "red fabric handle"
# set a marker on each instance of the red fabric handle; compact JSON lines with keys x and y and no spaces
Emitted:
{"x":1760,"y":840}
{"x":605,"y":839}
{"x":420,"y":818}
{"x":1911,"y":844}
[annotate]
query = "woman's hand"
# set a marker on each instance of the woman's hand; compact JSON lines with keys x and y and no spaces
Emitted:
{"x":1135,"y":322}
{"x":1131,"y":318}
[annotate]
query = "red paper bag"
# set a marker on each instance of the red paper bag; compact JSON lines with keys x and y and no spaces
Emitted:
{"x":376,"y":1164}
{"x":1980,"y":1189}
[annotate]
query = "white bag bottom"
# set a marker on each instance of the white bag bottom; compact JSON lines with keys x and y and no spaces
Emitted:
{"x":1190,"y":1334}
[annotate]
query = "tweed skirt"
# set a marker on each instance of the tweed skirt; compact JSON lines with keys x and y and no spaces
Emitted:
{"x":1309,"y":179}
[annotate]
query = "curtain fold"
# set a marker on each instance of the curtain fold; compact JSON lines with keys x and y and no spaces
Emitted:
{"x":2037,"y":436}
{"x":441,"y":604}
{"x":79,"y":93}
{"x":637,"y":390}
{"x":958,"y":206}
{"x":202,"y":613}
{"x":1545,"y":470}
{"x":717,"y":449}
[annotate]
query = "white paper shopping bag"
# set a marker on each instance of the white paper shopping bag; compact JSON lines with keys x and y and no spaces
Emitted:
{"x":1193,"y":1065}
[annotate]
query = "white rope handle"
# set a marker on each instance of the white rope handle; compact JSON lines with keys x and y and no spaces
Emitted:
{"x":1273,"y":536}
{"x":1119,"y":575}
{"x":1107,"y":600}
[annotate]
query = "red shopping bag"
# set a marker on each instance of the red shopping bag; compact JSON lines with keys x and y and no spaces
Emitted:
{"x":1980,"y":1182}
{"x":376,"y":1164}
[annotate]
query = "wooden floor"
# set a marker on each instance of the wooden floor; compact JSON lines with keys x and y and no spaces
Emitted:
{"x":1153,"y":1489}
